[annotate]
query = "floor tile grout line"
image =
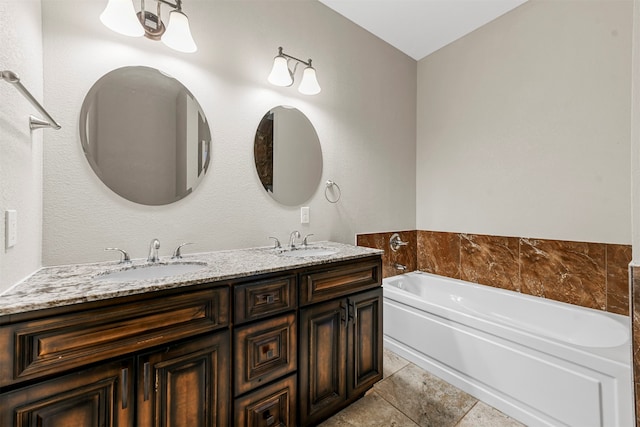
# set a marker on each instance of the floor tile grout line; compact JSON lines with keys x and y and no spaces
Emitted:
{"x":467,"y":413}
{"x":398,"y":409}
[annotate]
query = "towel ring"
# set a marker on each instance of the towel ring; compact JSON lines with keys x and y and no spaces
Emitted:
{"x":331,"y":184}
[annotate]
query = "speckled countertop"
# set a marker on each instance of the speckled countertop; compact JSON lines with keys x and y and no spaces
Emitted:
{"x":71,"y":284}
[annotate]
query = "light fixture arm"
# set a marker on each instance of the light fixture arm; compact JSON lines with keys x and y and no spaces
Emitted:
{"x":281,"y":53}
{"x":177,"y":5}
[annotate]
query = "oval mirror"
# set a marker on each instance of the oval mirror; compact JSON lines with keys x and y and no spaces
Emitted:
{"x":288,"y":156}
{"x":145,"y":135}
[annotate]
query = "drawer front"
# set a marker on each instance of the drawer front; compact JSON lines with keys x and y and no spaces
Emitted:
{"x":57,"y":343}
{"x":323,"y":285}
{"x":272,"y":406}
{"x":264,"y":351}
{"x":261,"y":299}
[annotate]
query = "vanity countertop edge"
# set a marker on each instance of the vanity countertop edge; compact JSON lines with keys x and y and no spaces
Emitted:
{"x":64,"y":285}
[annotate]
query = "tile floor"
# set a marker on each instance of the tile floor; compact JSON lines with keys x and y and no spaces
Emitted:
{"x":408,"y":396}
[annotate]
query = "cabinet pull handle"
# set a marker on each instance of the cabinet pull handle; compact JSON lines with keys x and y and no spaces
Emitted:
{"x":146,"y":370}
{"x":352,"y":310}
{"x":266,"y":350}
{"x":268,"y":417}
{"x":270,"y":299}
{"x":124,"y":375}
{"x":343,"y":313}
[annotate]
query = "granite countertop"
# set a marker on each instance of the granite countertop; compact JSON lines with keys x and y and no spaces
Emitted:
{"x":64,"y":285}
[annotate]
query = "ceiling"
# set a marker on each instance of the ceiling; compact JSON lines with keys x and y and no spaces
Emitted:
{"x":420,"y":27}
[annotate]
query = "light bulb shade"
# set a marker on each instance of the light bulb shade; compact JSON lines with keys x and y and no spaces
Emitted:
{"x":178,"y":34}
{"x":120,"y":16}
{"x":280,"y":74}
{"x":309,"y":84}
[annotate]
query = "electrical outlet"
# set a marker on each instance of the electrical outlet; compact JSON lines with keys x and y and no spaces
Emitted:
{"x":304,"y":215}
{"x":11,"y":228}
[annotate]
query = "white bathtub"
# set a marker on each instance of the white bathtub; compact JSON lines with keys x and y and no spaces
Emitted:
{"x":542,"y":362}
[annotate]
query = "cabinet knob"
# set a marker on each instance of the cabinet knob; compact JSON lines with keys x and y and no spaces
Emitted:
{"x":270,"y":419}
{"x":268,"y":351}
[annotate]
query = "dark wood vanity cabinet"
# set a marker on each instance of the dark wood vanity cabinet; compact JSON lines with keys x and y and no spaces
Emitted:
{"x":340,"y":347}
{"x":298,"y":364}
{"x":265,"y":346}
{"x":341,"y":353}
{"x":284,"y":349}
{"x":160,"y":361}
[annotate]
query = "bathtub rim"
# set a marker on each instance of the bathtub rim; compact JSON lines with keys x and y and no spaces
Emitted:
{"x":621,"y":355}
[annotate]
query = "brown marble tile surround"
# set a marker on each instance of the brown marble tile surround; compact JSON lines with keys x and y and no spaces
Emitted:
{"x":634,"y":273}
{"x":405,"y":255}
{"x":591,"y":275}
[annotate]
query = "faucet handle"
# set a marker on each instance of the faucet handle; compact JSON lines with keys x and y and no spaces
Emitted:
{"x":304,"y":241}
{"x":276,"y":243}
{"x":395,"y":242}
{"x":176,"y":252}
{"x":124,"y":258}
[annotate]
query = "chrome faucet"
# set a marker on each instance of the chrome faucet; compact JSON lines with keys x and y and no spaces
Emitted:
{"x":292,"y":239}
{"x":153,"y":251}
{"x":400,"y":267}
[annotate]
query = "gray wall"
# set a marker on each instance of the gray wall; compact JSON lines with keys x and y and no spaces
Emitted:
{"x":20,"y":150}
{"x":524,"y":126}
{"x":635,"y":131}
{"x":364,"y":116}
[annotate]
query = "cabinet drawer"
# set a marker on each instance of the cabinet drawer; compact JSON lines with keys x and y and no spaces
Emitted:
{"x":57,"y":343}
{"x":271,"y":406}
{"x":264,"y":351}
{"x":260,"y":299}
{"x":322,"y":285}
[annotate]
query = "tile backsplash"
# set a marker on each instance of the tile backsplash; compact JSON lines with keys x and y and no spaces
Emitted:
{"x":634,"y":272}
{"x":591,"y":275}
{"x":405,"y":255}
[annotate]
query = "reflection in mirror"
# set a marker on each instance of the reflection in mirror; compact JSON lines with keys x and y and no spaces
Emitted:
{"x":145,"y":135}
{"x":288,"y":156}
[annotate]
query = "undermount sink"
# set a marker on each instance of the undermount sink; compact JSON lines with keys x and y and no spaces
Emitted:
{"x":305,"y":252}
{"x":154,"y":271}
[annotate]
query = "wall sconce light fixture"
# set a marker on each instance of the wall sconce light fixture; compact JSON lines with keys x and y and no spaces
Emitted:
{"x":282,"y":75}
{"x":121,"y":17}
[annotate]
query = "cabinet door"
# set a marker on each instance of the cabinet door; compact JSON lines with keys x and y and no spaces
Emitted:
{"x":322,"y":360}
{"x":186,"y":385}
{"x":365,"y":341}
{"x":99,"y":397}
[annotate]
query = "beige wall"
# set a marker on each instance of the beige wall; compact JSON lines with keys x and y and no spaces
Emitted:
{"x":21,"y":150}
{"x":635,"y":131}
{"x":365,"y":119}
{"x":524,"y":126}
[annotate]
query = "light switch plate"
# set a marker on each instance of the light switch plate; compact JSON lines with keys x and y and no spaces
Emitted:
{"x":11,"y":228}
{"x":304,"y":215}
